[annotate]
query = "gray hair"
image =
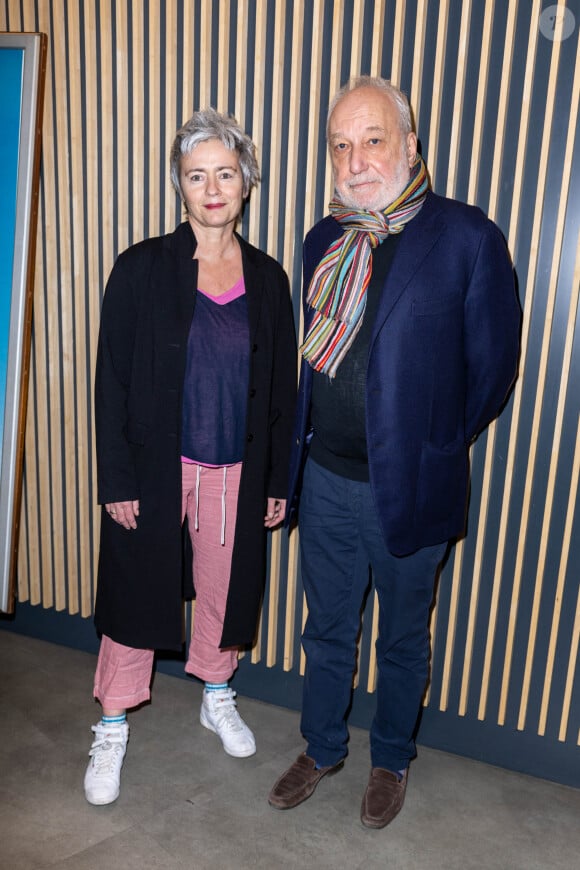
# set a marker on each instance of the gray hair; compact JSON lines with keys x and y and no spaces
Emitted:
{"x":397,"y":96}
{"x":208,"y":124}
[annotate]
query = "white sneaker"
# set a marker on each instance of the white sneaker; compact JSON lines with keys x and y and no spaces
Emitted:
{"x":103,"y":776}
{"x":219,"y":714}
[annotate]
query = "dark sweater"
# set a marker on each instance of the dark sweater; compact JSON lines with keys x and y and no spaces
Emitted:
{"x":338,"y":405}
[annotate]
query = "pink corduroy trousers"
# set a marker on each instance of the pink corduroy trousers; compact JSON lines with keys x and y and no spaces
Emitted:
{"x":210,"y":499}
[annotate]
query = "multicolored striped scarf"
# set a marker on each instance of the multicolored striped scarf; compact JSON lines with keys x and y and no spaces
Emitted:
{"x":339,"y":284}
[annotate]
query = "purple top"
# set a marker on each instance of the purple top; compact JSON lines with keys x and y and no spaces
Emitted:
{"x":216,"y":379}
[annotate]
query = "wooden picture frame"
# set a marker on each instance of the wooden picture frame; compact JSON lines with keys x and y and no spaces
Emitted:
{"x":22,"y":73}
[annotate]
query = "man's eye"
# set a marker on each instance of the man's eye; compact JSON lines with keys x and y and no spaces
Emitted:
{"x":374,"y":141}
{"x":340,"y":146}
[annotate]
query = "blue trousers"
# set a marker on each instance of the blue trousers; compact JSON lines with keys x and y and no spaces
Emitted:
{"x":340,"y":538}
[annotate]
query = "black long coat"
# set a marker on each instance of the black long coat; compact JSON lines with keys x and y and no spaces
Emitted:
{"x":146,"y":315}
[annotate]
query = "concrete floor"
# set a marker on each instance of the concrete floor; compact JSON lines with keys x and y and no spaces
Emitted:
{"x":185,"y":804}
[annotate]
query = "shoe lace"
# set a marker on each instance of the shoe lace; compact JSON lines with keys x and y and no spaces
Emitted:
{"x":225,"y":711}
{"x":104,"y":750}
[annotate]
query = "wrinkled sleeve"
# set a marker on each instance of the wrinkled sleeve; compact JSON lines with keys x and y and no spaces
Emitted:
{"x":116,"y":477}
{"x":492,"y":332}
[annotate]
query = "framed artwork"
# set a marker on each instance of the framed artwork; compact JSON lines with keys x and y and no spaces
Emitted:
{"x":22,"y":69}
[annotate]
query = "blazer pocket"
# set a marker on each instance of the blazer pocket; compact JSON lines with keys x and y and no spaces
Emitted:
{"x":442,"y":483}
{"x":432,"y":307}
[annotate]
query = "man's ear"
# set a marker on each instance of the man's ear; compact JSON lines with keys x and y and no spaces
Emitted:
{"x":411,"y":148}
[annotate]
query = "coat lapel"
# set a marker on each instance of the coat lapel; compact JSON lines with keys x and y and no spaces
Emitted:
{"x":416,"y":241}
{"x":254,"y":284}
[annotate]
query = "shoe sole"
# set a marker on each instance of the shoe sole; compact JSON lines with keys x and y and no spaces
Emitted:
{"x":102,"y":803}
{"x":243,"y":753}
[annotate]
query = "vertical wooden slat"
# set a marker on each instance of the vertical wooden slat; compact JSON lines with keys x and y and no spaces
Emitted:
{"x":451,"y":625}
{"x":418,"y":55}
{"x":436,"y":95}
{"x":153,"y":156}
{"x":458,"y":99}
{"x":374,"y":633}
{"x":61,"y":361}
{"x":334,"y":82}
{"x":188,"y":59}
{"x":258,"y":110}
{"x":378,"y":38}
{"x":224,"y":56}
{"x":94,"y":273}
{"x":398,"y":38}
{"x":241,"y":61}
{"x":575,"y":640}
{"x":122,"y":122}
{"x":169,"y":120}
{"x":139,"y":153}
{"x":358,"y":18}
{"x":107,"y":159}
{"x":205,"y":54}
{"x":78,"y":558}
{"x":484,"y":62}
{"x":311,"y":168}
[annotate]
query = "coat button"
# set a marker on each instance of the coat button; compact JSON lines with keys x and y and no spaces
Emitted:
{"x":254,"y":348}
{"x":250,"y":437}
{"x":252,"y":393}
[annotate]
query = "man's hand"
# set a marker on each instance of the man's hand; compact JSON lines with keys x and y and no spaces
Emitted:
{"x":275,"y":510}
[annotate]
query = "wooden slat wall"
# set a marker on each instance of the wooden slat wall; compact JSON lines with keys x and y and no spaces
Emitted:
{"x":496,"y":105}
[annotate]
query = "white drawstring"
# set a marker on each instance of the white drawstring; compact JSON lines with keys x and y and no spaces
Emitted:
{"x":224,"y":488}
{"x":224,"y":491}
{"x":197,"y":499}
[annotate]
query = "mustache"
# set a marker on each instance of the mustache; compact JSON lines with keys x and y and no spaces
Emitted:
{"x":362,"y":179}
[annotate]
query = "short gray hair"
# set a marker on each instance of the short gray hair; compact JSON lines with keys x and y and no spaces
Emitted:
{"x":397,"y":96}
{"x":208,"y":124}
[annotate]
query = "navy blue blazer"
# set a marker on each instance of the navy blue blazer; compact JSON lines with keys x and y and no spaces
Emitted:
{"x":442,"y":359}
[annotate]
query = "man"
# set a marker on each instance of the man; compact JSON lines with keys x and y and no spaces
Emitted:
{"x":410,"y":348}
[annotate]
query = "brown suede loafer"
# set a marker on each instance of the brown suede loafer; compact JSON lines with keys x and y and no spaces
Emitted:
{"x":383,"y":798}
{"x":298,"y":782}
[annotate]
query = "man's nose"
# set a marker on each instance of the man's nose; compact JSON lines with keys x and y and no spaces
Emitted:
{"x":357,"y":162}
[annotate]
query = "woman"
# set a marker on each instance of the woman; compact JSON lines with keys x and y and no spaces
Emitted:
{"x":194,"y":398}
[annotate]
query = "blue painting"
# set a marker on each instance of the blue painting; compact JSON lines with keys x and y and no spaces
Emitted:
{"x":11,"y":77}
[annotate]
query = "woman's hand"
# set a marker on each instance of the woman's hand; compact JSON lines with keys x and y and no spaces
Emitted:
{"x":275,"y":510}
{"x":124,"y":512}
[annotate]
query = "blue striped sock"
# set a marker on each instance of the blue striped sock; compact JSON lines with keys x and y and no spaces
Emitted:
{"x":215,"y":687}
{"x":114,"y":720}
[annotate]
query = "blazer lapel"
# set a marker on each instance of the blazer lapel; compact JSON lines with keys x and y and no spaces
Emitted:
{"x":416,"y":242}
